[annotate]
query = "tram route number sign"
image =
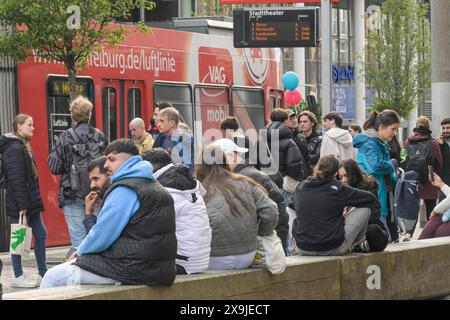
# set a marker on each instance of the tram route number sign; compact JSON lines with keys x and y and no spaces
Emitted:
{"x":275,"y":27}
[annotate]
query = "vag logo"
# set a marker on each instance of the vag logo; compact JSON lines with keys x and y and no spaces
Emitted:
{"x":215,"y":74}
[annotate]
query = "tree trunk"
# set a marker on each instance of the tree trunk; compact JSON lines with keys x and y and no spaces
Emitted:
{"x":72,"y":82}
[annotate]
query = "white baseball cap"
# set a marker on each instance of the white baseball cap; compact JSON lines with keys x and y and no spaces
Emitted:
{"x":228,"y":145}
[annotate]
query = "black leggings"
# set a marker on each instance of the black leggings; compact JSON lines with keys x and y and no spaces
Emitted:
{"x":376,"y":237}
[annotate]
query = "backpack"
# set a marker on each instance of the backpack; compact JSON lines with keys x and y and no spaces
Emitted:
{"x":2,"y":174}
{"x":82,"y":152}
{"x":420,"y":156}
{"x":407,"y":201}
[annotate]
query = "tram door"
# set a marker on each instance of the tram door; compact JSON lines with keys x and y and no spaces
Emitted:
{"x":122,"y":101}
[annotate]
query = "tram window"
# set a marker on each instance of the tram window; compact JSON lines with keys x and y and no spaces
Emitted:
{"x":58,"y":101}
{"x":109,"y":108}
{"x":248,"y":106}
{"x":180,"y":96}
{"x":273,"y":102}
{"x":134,"y":104}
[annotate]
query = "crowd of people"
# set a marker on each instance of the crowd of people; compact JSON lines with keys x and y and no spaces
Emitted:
{"x":323,"y":194}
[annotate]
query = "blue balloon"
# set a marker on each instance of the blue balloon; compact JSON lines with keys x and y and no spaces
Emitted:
{"x":290,"y":80}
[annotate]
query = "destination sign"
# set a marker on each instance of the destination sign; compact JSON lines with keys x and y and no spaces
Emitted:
{"x":281,"y":27}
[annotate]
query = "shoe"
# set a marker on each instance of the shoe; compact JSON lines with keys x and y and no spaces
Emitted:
{"x":362,"y":247}
{"x":22,"y":282}
{"x":69,"y":253}
{"x":38,"y":281}
{"x":446,"y":216}
{"x":422,"y":224}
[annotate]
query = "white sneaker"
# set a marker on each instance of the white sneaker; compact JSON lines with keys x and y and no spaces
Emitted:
{"x":38,"y":281}
{"x":22,"y":282}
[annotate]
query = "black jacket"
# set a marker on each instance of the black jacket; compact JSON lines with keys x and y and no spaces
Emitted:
{"x":146,"y":249}
{"x":287,"y":158}
{"x":22,"y":189}
{"x":445,"y":171}
{"x":314,"y":142}
{"x":273,"y":192}
{"x":302,"y":145}
{"x":319,"y":205}
{"x":375,"y":210}
{"x":60,"y":160}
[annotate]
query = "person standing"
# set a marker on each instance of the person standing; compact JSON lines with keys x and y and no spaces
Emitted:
{"x":23,"y":197}
{"x":70,"y":157}
{"x":142,"y":139}
{"x":373,"y":158}
{"x":336,"y":141}
{"x":424,"y":151}
{"x":309,"y":129}
{"x":444,"y":145}
{"x":298,"y":138}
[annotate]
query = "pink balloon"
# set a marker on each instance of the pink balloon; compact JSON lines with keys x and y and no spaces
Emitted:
{"x":292,"y":98}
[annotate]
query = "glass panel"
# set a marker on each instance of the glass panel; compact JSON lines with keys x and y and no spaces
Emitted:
{"x":58,"y":100}
{"x":109,"y":107}
{"x":343,"y":22}
{"x":343,"y":51}
{"x":273,"y":103}
{"x":134,"y":104}
{"x":248,"y":107}
{"x":334,"y":26}
{"x":179,"y":95}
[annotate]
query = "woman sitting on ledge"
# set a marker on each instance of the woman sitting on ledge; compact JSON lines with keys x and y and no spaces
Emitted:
{"x":325,"y":223}
{"x":438,"y":225}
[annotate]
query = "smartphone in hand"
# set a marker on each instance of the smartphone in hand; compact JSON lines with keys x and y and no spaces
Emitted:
{"x":431,"y":173}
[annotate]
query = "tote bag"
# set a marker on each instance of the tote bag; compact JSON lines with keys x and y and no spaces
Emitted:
{"x":20,"y":243}
{"x":270,"y":254}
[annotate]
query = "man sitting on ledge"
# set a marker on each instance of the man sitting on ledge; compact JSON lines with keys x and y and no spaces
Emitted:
{"x":133,"y":241}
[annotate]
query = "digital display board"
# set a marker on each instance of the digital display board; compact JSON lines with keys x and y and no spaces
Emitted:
{"x":275,"y":27}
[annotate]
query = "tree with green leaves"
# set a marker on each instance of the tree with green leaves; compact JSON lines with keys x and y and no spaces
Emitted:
{"x":67,"y":31}
{"x":398,"y":62}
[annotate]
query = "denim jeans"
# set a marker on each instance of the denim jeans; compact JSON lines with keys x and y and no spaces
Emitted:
{"x":35,"y":222}
{"x":74,"y":214}
{"x":67,"y":274}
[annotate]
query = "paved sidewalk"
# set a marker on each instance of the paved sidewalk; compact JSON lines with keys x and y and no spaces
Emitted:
{"x":55,"y":256}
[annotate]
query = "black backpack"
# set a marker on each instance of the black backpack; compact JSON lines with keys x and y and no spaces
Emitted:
{"x":82,"y":152}
{"x":420,"y":156}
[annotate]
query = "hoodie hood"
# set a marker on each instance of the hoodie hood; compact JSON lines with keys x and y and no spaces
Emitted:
{"x":341,"y":136}
{"x":316,"y":183}
{"x":176,"y":177}
{"x":361,"y":138}
{"x":283,"y":131}
{"x":134,"y":167}
{"x":7,"y":139}
{"x":419,"y":134}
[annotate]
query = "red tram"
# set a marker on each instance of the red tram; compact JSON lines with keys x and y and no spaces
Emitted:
{"x":202,"y":75}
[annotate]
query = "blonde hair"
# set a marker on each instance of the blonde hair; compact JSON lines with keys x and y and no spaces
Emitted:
{"x":423,"y":122}
{"x":171,"y":114}
{"x":81,"y":109}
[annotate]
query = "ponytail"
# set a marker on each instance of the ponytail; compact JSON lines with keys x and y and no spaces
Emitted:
{"x":386,"y":118}
{"x":370,"y":121}
{"x":327,"y":167}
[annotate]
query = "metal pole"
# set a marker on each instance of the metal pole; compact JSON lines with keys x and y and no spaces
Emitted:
{"x":299,"y":63}
{"x":325,"y":22}
{"x":440,"y":64}
{"x":359,"y":57}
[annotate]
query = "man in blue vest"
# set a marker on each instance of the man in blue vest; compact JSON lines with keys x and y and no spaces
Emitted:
{"x":133,"y":241}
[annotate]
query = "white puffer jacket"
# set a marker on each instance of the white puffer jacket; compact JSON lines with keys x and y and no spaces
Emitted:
{"x":193,"y":231}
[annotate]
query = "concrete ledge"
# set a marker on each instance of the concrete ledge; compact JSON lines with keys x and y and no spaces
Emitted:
{"x":414,"y":270}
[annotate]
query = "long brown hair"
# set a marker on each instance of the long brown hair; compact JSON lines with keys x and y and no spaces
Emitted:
{"x":386,"y":118}
{"x":215,"y":175}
